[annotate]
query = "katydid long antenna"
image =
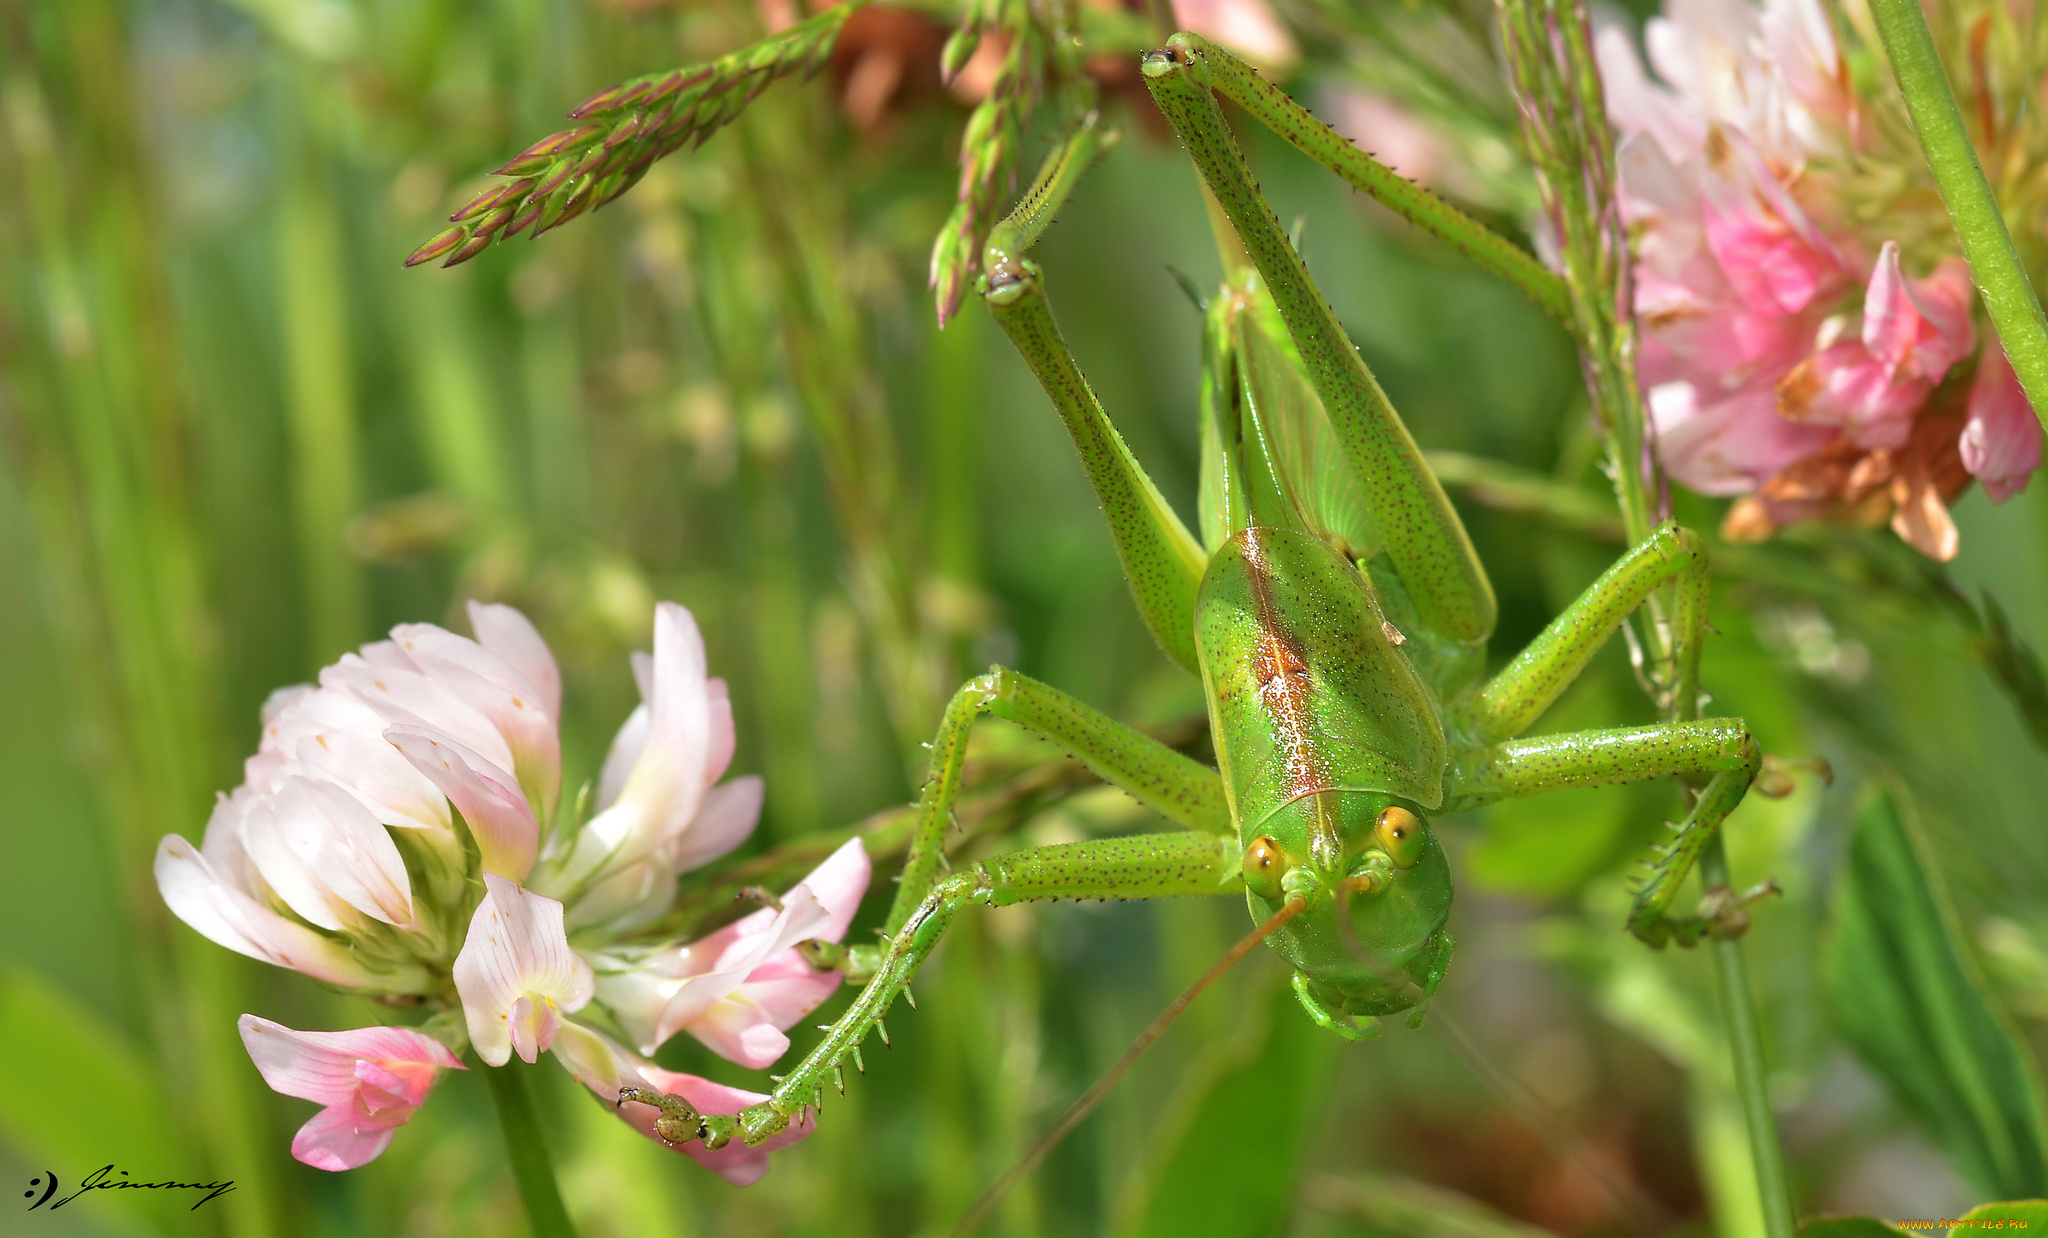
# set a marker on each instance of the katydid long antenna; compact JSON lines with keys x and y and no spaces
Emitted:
{"x":1093,"y":1096}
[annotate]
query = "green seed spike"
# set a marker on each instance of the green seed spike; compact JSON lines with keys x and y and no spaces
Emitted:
{"x":884,"y":1034}
{"x":960,"y":48}
{"x":839,"y":1077}
{"x":644,"y":119}
{"x":858,"y":1065}
{"x":910,"y":997}
{"x":443,"y":242}
{"x":1272,"y":107}
{"x":468,"y":249}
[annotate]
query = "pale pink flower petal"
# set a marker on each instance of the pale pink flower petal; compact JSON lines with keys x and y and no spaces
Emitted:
{"x":2001,"y":443}
{"x":501,"y":694}
{"x":680,"y":989}
{"x":322,"y":841}
{"x":498,"y":816}
{"x":656,"y":996}
{"x":624,"y":754}
{"x":385,"y":678}
{"x":1917,"y":328}
{"x":371,"y":1081}
{"x":511,"y":636}
{"x":725,"y":820}
{"x":288,"y":875}
{"x":1730,"y":446}
{"x":1773,"y":256}
{"x":336,"y":736}
{"x":668,"y":779}
{"x":1843,"y":385}
{"x":229,"y":916}
{"x":738,"y":1031}
{"x":840,"y":882}
{"x":1802,"y":49}
{"x":747,"y":1027}
{"x":643,"y":891}
{"x":1635,"y":104}
{"x":322,"y":1066}
{"x":336,"y":1139}
{"x":723,"y":738}
{"x":517,"y":951}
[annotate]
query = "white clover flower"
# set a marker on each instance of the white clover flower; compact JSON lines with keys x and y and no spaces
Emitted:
{"x":396,"y":835}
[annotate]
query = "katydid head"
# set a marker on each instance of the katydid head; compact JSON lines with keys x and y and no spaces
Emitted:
{"x":1182,"y":51}
{"x":1007,"y":279}
{"x":1377,"y":891}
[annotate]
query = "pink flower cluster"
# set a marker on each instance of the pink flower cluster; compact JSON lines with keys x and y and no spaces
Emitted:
{"x":428,"y":767}
{"x":1788,"y":355}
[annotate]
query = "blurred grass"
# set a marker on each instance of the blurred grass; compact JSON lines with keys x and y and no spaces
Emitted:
{"x":237,"y":440}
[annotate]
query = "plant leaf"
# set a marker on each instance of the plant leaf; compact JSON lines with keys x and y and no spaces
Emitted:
{"x":2028,"y":1212}
{"x":1905,"y":995}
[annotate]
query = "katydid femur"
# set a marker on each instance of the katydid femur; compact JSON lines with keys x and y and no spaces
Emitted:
{"x":1336,"y":613}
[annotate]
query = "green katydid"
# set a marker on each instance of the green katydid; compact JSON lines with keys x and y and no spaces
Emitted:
{"x":1336,"y":613}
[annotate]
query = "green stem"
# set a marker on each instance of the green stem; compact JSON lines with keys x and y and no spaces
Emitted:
{"x":1746,"y":1040}
{"x":531,"y":1168}
{"x":1995,"y":264}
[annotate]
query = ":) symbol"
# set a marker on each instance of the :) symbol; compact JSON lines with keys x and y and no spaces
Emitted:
{"x":47,"y":1191}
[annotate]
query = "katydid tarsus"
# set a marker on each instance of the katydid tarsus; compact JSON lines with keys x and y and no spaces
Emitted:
{"x":1336,"y":613}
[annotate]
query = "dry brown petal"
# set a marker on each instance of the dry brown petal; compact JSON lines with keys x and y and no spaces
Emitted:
{"x":1813,"y":479}
{"x":1922,"y":520}
{"x":1747,"y":521}
{"x":1797,"y":389}
{"x":1872,"y":473}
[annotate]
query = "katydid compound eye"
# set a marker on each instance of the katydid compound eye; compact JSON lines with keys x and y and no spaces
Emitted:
{"x":1263,"y":866}
{"x":1400,"y":833}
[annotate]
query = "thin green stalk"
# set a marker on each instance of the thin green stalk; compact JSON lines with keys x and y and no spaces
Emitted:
{"x":1994,"y":263}
{"x":1746,"y":1040}
{"x":531,"y":1167}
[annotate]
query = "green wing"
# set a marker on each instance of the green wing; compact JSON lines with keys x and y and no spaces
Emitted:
{"x":1285,"y":425}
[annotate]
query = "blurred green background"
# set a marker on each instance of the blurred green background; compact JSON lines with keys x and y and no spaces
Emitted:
{"x":238,"y":439}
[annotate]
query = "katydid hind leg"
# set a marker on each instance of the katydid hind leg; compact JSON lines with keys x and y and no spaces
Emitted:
{"x":1422,"y":533}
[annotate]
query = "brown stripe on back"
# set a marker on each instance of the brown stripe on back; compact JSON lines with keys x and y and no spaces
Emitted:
{"x":1284,"y":688}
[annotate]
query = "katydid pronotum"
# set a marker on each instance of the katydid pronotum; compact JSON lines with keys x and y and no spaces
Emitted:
{"x":1337,"y":615}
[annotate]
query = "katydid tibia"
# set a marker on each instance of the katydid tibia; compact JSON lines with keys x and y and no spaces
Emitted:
{"x":1336,"y":613}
